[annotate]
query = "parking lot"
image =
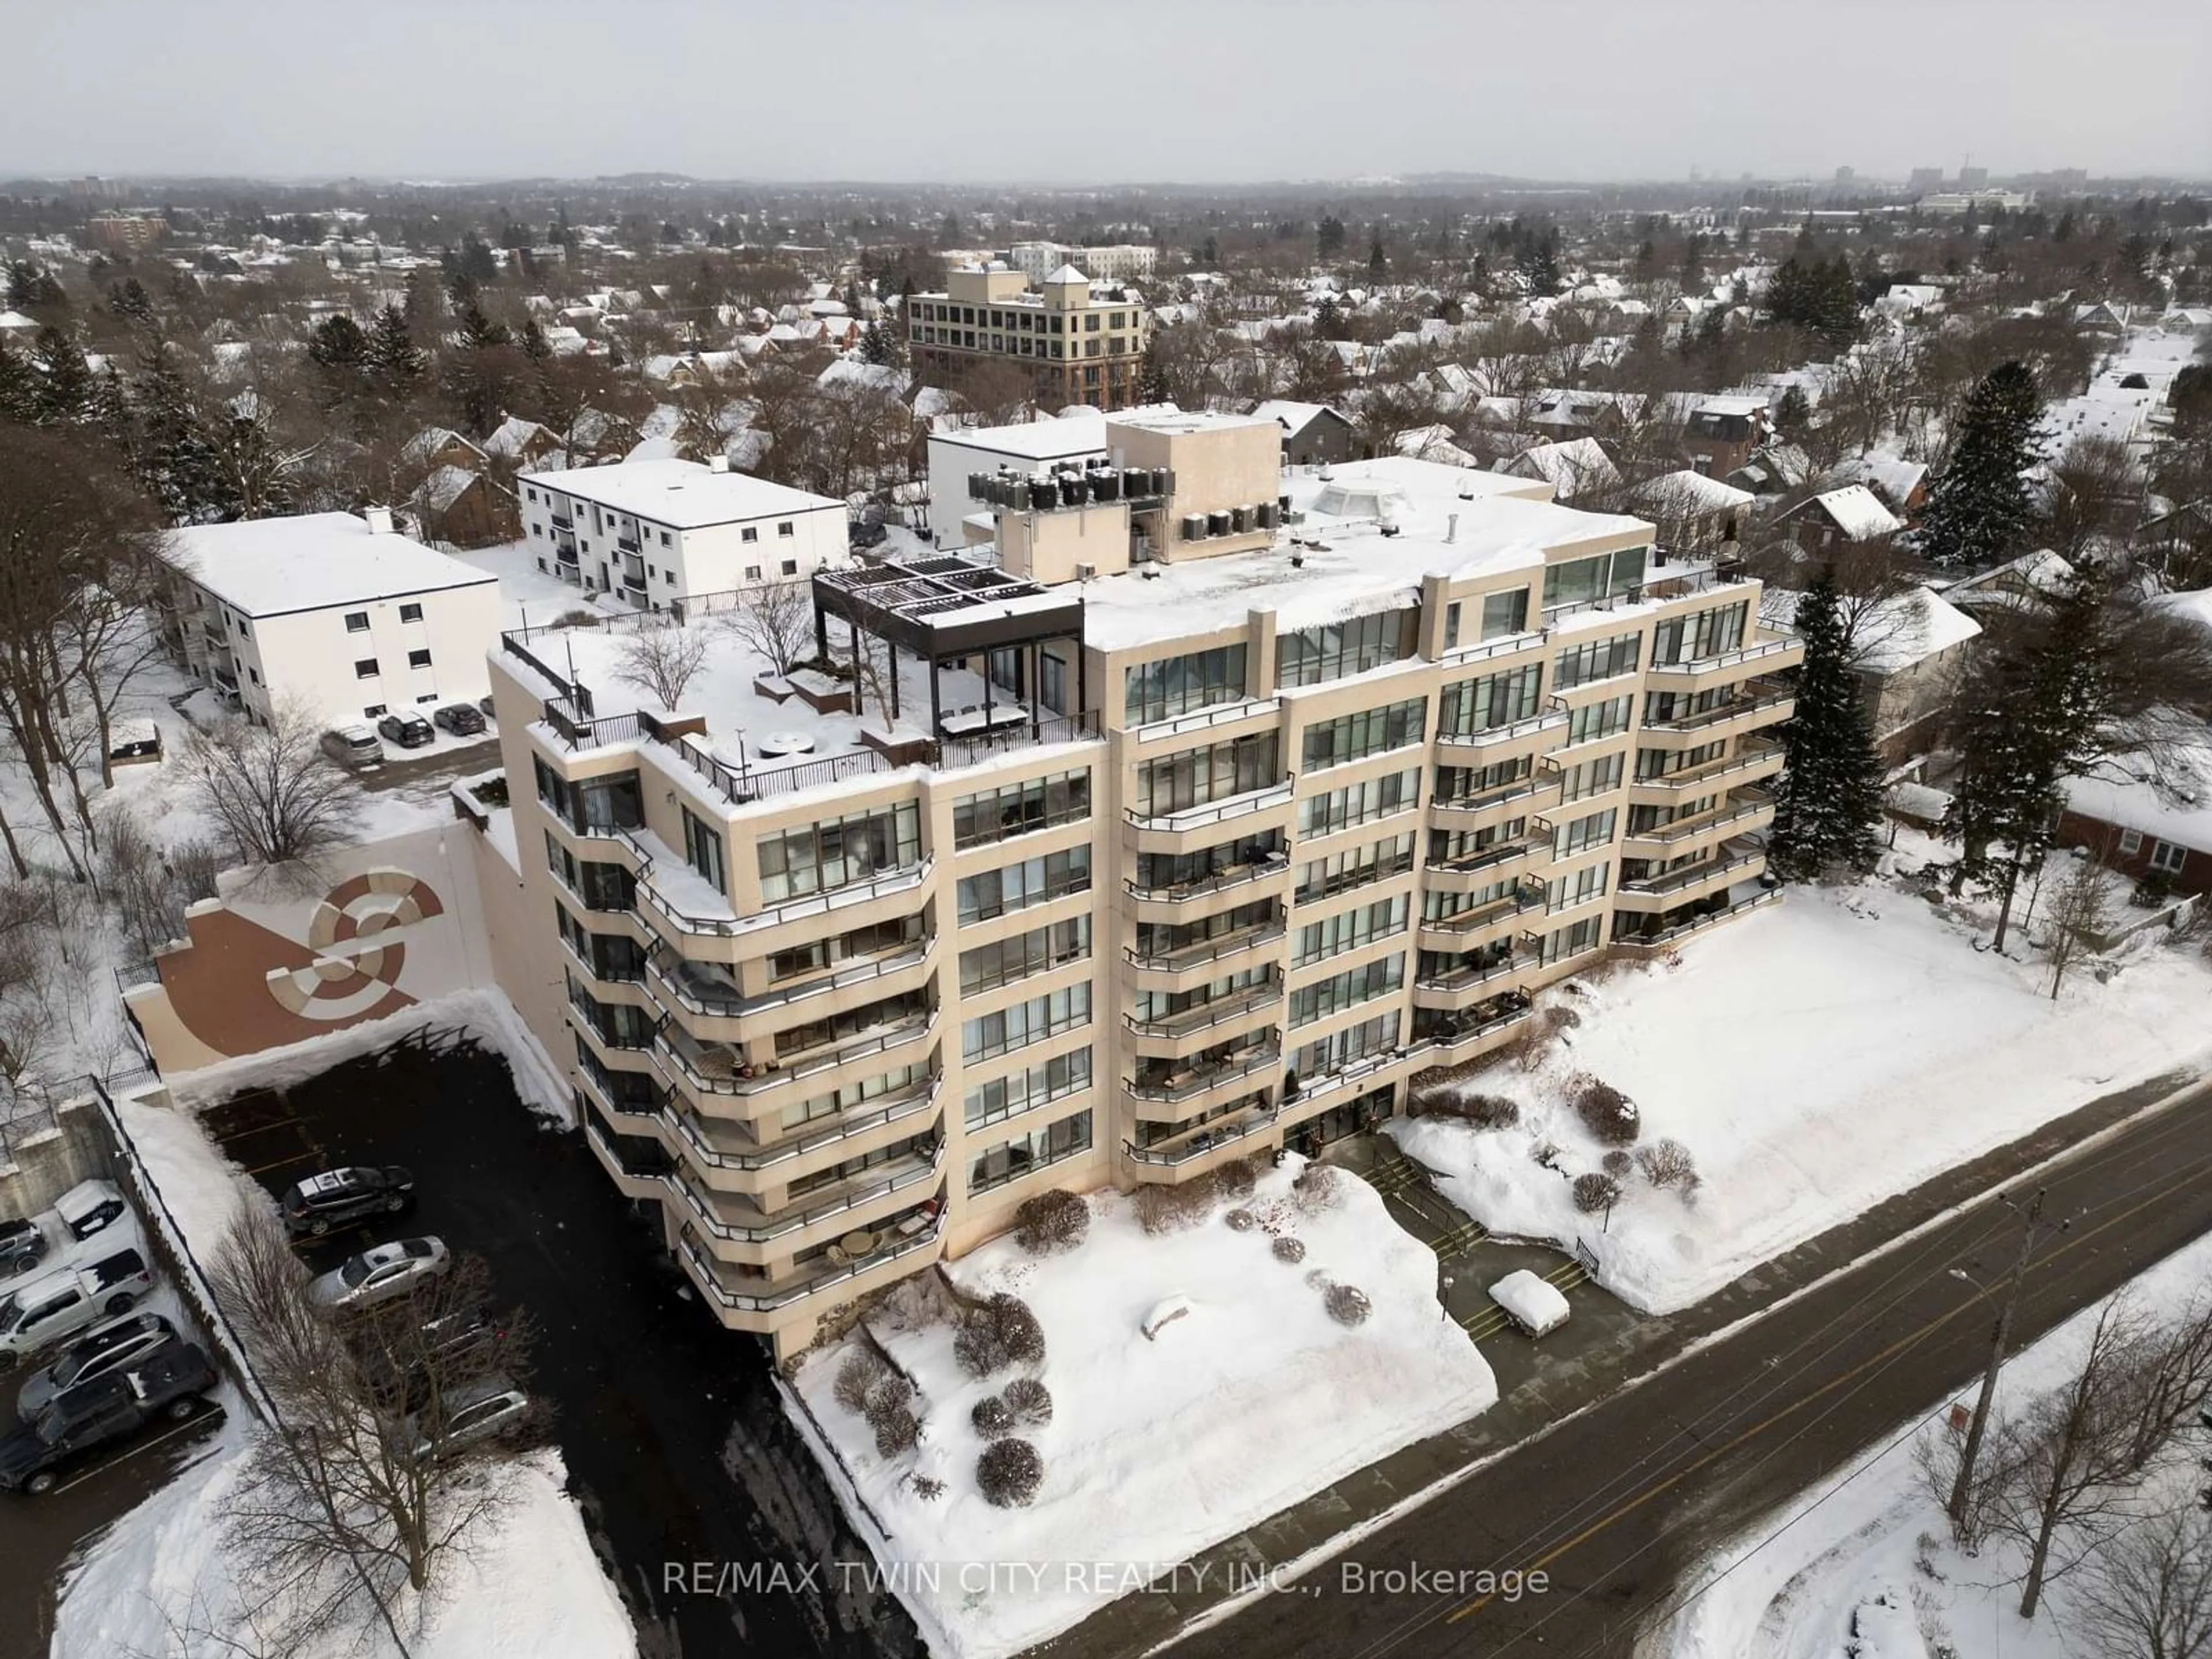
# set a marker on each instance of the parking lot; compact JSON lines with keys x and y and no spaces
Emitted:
{"x":677,"y":1446}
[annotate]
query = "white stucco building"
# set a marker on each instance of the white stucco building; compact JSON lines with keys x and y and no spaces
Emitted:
{"x":341,"y":612}
{"x":663,"y":531}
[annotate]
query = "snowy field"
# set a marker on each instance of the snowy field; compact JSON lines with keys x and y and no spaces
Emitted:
{"x":1815,"y":1058}
{"x":1249,"y":1400}
{"x":1789,"y":1587}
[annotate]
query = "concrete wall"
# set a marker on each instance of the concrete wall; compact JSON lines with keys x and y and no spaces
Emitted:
{"x":45,"y":1165}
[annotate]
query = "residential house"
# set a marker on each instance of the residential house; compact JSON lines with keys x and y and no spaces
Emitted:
{"x":1696,"y":516}
{"x":1900,"y":485}
{"x":462,"y":509}
{"x":1722,"y":432}
{"x":1773,"y":469}
{"x":1906,"y":651}
{"x":1314,"y":435}
{"x":437,"y":445}
{"x":520,"y":443}
{"x":2027,"y":583}
{"x":1836,"y":518}
{"x":2158,"y":834}
{"x":1576,"y":466}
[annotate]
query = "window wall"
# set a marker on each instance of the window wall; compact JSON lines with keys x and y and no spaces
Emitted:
{"x":1175,"y":685}
{"x":820,"y":858}
{"x":1314,"y":656}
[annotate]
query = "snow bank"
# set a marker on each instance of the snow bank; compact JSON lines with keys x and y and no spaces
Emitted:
{"x":1536,"y":1306}
{"x":1156,"y":1449}
{"x":1791,"y":1585}
{"x":1816,"y":1058}
{"x":529,"y":1588}
{"x":204,"y":1190}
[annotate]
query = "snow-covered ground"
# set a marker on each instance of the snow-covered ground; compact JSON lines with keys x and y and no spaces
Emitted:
{"x":1815,"y":1058}
{"x":1788,"y":1586}
{"x":530,"y":596}
{"x":1158,"y":1447}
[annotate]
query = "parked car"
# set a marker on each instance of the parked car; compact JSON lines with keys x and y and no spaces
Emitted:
{"x":116,"y":1345}
{"x":55,"y":1237}
{"x":355,"y":744}
{"x":463,"y":719}
{"x":169,"y":1381}
{"x":400,"y":1364}
{"x":483,"y":707}
{"x":381,"y":1273}
{"x":482,"y":1411}
{"x":41,"y":1311}
{"x":337,"y":1197}
{"x":22,"y":1247}
{"x":408,"y":731}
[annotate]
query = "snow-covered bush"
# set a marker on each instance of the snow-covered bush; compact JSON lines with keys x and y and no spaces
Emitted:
{"x":1164,"y":1209}
{"x":1003,"y":1332}
{"x":1668,"y":1164}
{"x":1290,"y":1249}
{"x":926,"y":1487}
{"x":1596,"y":1191}
{"x":1317,"y":1188}
{"x":1482,"y":1111}
{"x":1051,"y":1222}
{"x":1617,"y":1163}
{"x":896,"y":1429}
{"x":1009,"y":1473}
{"x":1028,"y":1402}
{"x":991,"y":1417}
{"x":1236,"y":1179}
{"x":1240,"y":1220}
{"x":864,"y":1368}
{"x":1610,"y":1116}
{"x":1348,"y":1305}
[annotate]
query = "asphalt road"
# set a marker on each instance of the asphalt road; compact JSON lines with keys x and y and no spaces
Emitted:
{"x":1613,"y":1504}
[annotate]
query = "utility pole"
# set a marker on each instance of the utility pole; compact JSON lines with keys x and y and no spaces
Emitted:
{"x":2029,"y":1238}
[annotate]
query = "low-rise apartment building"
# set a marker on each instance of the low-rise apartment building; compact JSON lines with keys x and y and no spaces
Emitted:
{"x":1078,"y":343}
{"x":663,"y":533}
{"x":1127,"y":874}
{"x":1116,"y":262}
{"x":337,"y":611}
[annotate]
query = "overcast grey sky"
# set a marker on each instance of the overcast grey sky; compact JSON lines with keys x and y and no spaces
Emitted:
{"x":1120,"y":90}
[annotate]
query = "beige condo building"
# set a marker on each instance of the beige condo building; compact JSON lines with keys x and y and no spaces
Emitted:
{"x":1078,"y":344}
{"x":1170,"y":849}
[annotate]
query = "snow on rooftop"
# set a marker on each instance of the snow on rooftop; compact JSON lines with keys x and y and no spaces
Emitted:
{"x":1859,"y":512}
{"x":1291,"y":417}
{"x":682,"y":494}
{"x":1065,"y":274}
{"x":1050,"y":439}
{"x":1692,"y":491}
{"x":311,"y":561}
{"x":1167,"y":418}
{"x":2180,"y":813}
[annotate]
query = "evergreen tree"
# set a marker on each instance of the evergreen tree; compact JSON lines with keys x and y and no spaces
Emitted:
{"x":393,"y":357}
{"x":19,"y":387}
{"x":64,"y":380}
{"x":1795,"y":412}
{"x":1152,"y":373}
{"x":129,"y":298}
{"x":1828,"y":799}
{"x":339,"y":345}
{"x":535,"y":345}
{"x":479,"y":331}
{"x":1378,"y":264}
{"x":1328,"y":240}
{"x":178,"y":462}
{"x":1979,"y":511}
{"x":882,"y":346}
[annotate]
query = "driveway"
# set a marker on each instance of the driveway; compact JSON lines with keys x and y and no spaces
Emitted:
{"x":677,"y":1449}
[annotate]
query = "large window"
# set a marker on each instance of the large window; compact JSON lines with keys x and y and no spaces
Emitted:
{"x":1156,"y":1007}
{"x":1370,"y":732}
{"x":610,"y":956}
{"x":1047,"y":1080}
{"x":1593,"y":777}
{"x":618,"y":1024}
{"x":1572,"y":940}
{"x":1495,"y":699}
{"x":1339,"y":1049}
{"x":705,"y":851}
{"x":840,"y":1027}
{"x":819,"y":858}
{"x":1351,"y":929}
{"x":1608,"y":719}
{"x":1355,"y":985}
{"x":1176,"y":783}
{"x":1159,"y":873}
{"x":834,"y":1101}
{"x":1603,"y":575}
{"x":592,"y":805}
{"x":1017,"y":808}
{"x":1580,"y":835}
{"x":995,"y":1166}
{"x":1025,"y":1022}
{"x":1596,"y":660}
{"x":1017,"y":886}
{"x":816,"y":956}
{"x":600,"y":886}
{"x":1175,"y":685}
{"x":1706,"y":634}
{"x":1359,"y":803}
{"x":1576,"y":887}
{"x":1036,"y":952}
{"x":1467,"y":785}
{"x":1311,"y":656}
{"x":1343,"y":872}
{"x":1160,"y":939}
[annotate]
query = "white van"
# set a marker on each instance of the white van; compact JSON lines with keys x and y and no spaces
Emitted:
{"x":36,"y":1316}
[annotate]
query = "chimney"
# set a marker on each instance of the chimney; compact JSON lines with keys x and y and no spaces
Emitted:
{"x":718,"y":464}
{"x":380,"y":519}
{"x":1451,"y":529}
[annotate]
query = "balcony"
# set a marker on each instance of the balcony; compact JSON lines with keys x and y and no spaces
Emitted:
{"x":1765,"y":656}
{"x":1206,"y":1024}
{"x":1211,"y":718}
{"x":1351,"y":1075}
{"x":711,"y":1009}
{"x":729,"y":1147}
{"x":1172,"y":970}
{"x":1501,"y":741}
{"x":681,"y":903}
{"x":1463,"y":987}
{"x":1226,"y":888}
{"x":713,"y":1070}
{"x":1485,"y":1033}
{"x":1196,"y":1150}
{"x":1754,"y":759}
{"x":1204,"y":1085}
{"x":1744,"y":811}
{"x":902,"y":1245}
{"x":1494,"y":863}
{"x":1766,"y":706}
{"x":1168,"y":832}
{"x":738,"y":1229}
{"x":1465,"y":930}
{"x":1666,"y":939}
{"x":1691,"y":881}
{"x":1488,"y":811}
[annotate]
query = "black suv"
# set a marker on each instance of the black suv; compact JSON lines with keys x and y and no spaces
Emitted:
{"x":463,"y":719}
{"x":408,"y":731}
{"x":167,"y":1381}
{"x":338,"y":1196}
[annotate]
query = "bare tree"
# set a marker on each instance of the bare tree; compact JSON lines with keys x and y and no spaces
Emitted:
{"x":661,"y":658}
{"x":2167,"y":1378}
{"x":2147,"y":1592}
{"x":774,"y":621}
{"x":349,"y":1500}
{"x":277,"y":796}
{"x":2076,"y":917}
{"x":2096,"y":497}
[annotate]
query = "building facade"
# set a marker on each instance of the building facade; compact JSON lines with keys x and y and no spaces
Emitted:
{"x":1077,"y":342}
{"x":1273,"y":831}
{"x":1120,"y":262}
{"x":665,"y":532}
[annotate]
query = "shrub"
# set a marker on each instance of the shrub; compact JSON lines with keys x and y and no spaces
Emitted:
{"x":991,"y":1417}
{"x":1003,"y":1332}
{"x":577,"y":618}
{"x":1290,"y":1249}
{"x":928,"y":1488}
{"x":1009,"y":1473}
{"x":857,"y":1378}
{"x":1610,"y":1116}
{"x":1028,"y":1402}
{"x":1595,"y":1191}
{"x":1617,"y":1163}
{"x":1051,"y":1222}
{"x":1163,"y":1209}
{"x":1236,"y":1179}
{"x":1668,"y":1164}
{"x":896,"y":1429}
{"x":1545,"y":1154}
{"x":1348,"y":1305}
{"x":1317,"y":1188}
{"x":1483,"y":1111}
{"x":1241,"y":1221}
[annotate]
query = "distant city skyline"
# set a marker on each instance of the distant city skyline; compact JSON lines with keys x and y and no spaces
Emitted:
{"x":985,"y":92}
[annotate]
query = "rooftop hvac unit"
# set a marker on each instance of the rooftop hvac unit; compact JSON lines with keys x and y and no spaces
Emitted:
{"x":1106,"y":487}
{"x":1072,"y":489}
{"x":1085,"y":573}
{"x":1193,"y":527}
{"x":1270,"y":515}
{"x":1240,"y":519}
{"x":1043,"y":494}
{"x":1217,"y":524}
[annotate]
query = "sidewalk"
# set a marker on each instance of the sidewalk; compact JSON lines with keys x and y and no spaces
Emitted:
{"x":1614,"y":1345}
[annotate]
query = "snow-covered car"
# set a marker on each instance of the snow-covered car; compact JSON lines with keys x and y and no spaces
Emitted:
{"x":334,"y":1197}
{"x":481,"y":1411}
{"x":355,"y":744}
{"x":116,"y":1345}
{"x":53,"y":1238}
{"x":39,"y":1312}
{"x":1535,"y":1305}
{"x":170,"y":1382}
{"x":381,"y":1273}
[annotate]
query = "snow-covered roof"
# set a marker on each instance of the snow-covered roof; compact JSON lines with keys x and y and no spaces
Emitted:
{"x":2196,"y":606}
{"x":1054,"y":440}
{"x":1167,"y":418}
{"x":1689,"y":491}
{"x":512,"y":436}
{"x":1859,"y":512}
{"x":1067,"y":274}
{"x":1890,"y":476}
{"x":1569,"y":465}
{"x":432,"y":439}
{"x":1891,"y":635}
{"x":2183,"y":816}
{"x":1289,"y":415}
{"x":441,"y":489}
{"x":1732,"y":403}
{"x":682,"y":494}
{"x":312,"y":561}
